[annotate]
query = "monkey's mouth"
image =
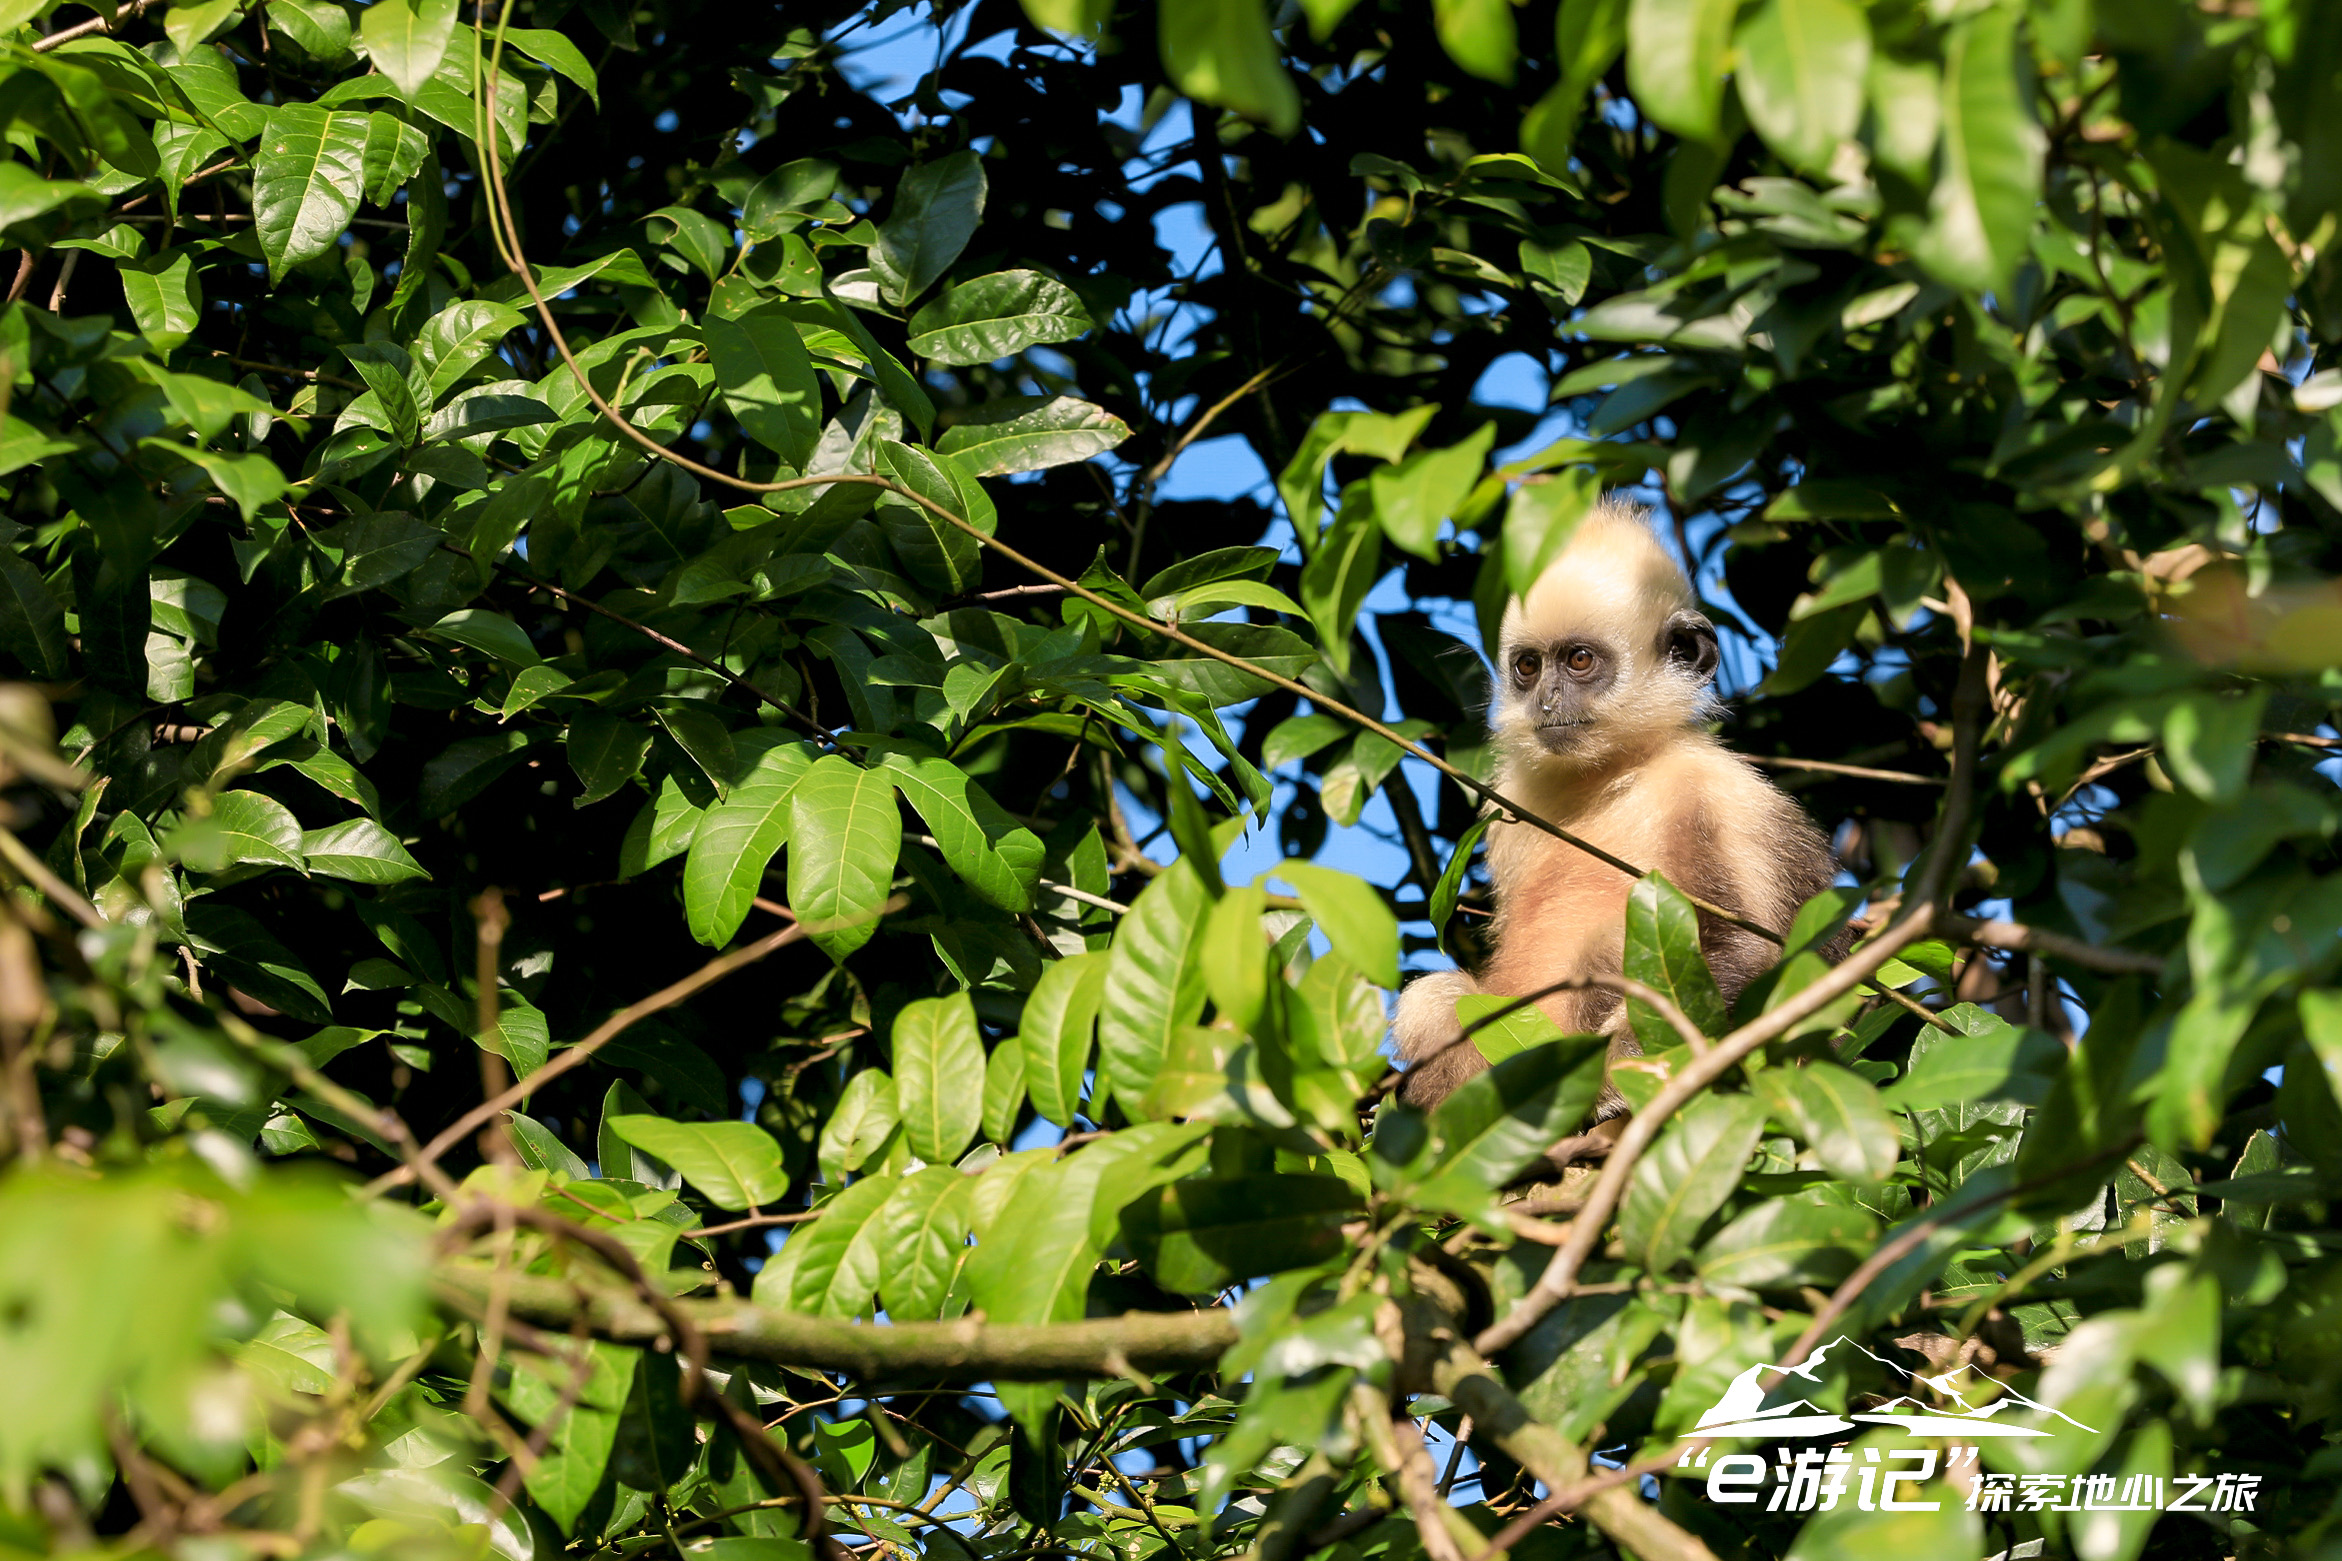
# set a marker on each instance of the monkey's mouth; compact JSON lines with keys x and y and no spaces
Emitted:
{"x":1557,"y":735}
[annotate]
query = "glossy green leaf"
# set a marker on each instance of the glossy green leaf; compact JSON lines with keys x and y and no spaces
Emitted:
{"x":1222,"y":53}
{"x":1838,"y":1114}
{"x":997,"y":316}
{"x":735,"y":841}
{"x":1496,"y":1124}
{"x":307,"y":175}
{"x":243,"y":827}
{"x":1981,"y":209}
{"x":1676,"y":55}
{"x":1686,"y":1177}
{"x":997,"y":857}
{"x":861,"y":1126}
{"x":734,"y":1165}
{"x":1353,"y":917}
{"x":1663,"y":952}
{"x":361,"y":851}
{"x":1004,"y":1091}
{"x":936,"y":208}
{"x":1802,"y":64}
{"x":1201,"y":1235}
{"x":406,"y":39}
{"x":939,"y":1076}
{"x":1030,"y":433}
{"x":844,"y":834}
{"x":843,"y":1261}
{"x":1412,"y":498}
{"x":1153,"y":984}
{"x":1785,"y":1242}
{"x":767,"y":380}
{"x":1059,"y":1021}
{"x":923,"y":1230}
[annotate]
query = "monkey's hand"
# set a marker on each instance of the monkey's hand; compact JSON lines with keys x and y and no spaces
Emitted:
{"x":1430,"y":1036}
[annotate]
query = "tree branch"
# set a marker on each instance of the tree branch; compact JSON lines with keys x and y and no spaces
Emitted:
{"x":968,"y":1349}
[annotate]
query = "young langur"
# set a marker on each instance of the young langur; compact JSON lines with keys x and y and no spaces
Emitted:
{"x":1601,"y":688}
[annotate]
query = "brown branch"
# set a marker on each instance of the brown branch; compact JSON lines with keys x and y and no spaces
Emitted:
{"x":968,"y":1349}
{"x":100,"y":23}
{"x":1398,"y":1446}
{"x":1827,"y":767}
{"x":2016,"y":936}
{"x":1949,"y":849}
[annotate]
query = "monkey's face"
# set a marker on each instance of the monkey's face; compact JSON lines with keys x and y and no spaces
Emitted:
{"x":1606,"y":657}
{"x":1587,"y":694}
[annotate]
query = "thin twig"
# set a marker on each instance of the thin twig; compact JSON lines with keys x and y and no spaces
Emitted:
{"x":1827,"y":767}
{"x":96,"y":24}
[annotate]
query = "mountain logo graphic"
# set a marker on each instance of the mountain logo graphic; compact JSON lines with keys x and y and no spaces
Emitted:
{"x":1742,"y":1411}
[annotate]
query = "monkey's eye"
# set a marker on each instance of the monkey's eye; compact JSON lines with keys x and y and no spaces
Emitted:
{"x":1525,"y":665}
{"x":1580,"y":660}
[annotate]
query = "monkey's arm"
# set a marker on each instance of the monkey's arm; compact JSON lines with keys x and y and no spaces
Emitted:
{"x":1430,"y":1037}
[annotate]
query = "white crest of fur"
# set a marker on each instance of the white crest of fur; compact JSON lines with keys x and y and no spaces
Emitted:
{"x":1616,"y":582}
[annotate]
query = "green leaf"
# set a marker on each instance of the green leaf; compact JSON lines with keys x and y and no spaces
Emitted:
{"x":361,"y":851}
{"x":1450,"y":888}
{"x":1353,"y":916}
{"x":937,"y":554}
{"x":1802,"y":66}
{"x":164,"y":295}
{"x":307,"y":175}
{"x":468,"y":768}
{"x":406,"y":39}
{"x":936,"y":208}
{"x":1663,"y":952}
{"x":1922,"y":1529}
{"x":605,"y":751}
{"x":2209,"y":742}
{"x":997,"y":316}
{"x":1221,"y":52}
{"x":939,"y":1076}
{"x":243,"y":827}
{"x":844,"y":835}
{"x":1837,"y":1113}
{"x":734,"y":1165}
{"x":249,"y":480}
{"x":735,"y":841}
{"x":491,"y":632}
{"x":32,"y":620}
{"x":1054,"y":1034}
{"x":781,"y":201}
{"x":1783,"y":1242}
{"x":1201,"y":1235}
{"x":1496,"y":1124}
{"x":554,"y":51}
{"x":1153,"y":984}
{"x":376,"y":549}
{"x":845,"y":1252}
{"x":1981,"y":210}
{"x":860,"y":1126}
{"x":256,"y":961}
{"x":1030,"y":433}
{"x":766,"y":380}
{"x":997,"y":857}
{"x":1004,"y":1091}
{"x":1334,"y":582}
{"x":923,"y":1232}
{"x":456,"y":339}
{"x":1479,"y":36}
{"x":1412,"y":498}
{"x":1689,"y":1172}
{"x":1539,"y":521}
{"x":1991,"y":1060}
{"x":1676,"y":52}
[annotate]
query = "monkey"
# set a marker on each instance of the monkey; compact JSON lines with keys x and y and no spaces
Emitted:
{"x":1603,"y":689}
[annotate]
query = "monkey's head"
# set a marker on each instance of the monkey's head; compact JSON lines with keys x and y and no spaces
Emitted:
{"x":1607,"y":654}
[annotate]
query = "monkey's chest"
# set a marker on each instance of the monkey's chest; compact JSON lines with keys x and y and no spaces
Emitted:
{"x":1564,"y":916}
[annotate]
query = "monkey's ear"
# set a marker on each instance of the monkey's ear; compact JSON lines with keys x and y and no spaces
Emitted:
{"x":1691,"y":645}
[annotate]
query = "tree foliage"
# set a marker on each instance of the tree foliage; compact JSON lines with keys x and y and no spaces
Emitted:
{"x":614,"y":666}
